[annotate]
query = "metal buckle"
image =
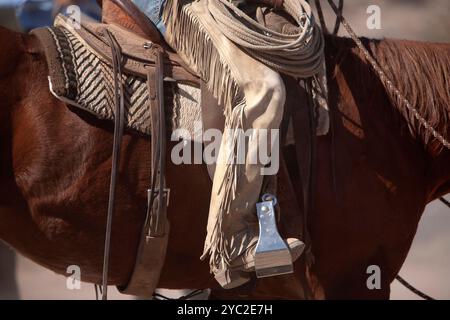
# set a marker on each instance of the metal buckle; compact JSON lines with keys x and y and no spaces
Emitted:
{"x":272,"y":256}
{"x":156,"y":227}
{"x":166,"y":195}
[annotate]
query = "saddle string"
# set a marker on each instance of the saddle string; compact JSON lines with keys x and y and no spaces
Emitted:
{"x":389,"y":85}
{"x":118,"y":135}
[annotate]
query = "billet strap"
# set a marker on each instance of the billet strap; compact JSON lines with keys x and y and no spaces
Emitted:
{"x":118,"y":135}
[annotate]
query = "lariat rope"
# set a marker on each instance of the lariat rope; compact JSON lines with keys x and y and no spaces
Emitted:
{"x":298,"y":53}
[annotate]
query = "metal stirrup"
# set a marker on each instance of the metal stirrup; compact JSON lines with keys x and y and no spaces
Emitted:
{"x":272,"y":256}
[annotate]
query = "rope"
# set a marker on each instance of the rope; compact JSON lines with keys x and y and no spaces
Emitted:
{"x":444,"y":201}
{"x":414,"y":290}
{"x":298,"y":53}
{"x":390,"y":86}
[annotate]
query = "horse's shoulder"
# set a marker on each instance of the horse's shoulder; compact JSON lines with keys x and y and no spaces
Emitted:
{"x":22,"y":63}
{"x":12,"y":46}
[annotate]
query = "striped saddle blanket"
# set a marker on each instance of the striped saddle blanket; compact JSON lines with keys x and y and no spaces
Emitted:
{"x":81,"y":76}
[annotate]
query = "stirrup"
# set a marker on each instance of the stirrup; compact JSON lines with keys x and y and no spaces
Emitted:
{"x":272,"y":256}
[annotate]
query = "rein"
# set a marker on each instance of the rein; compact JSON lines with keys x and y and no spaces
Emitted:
{"x":337,"y":23}
{"x":118,"y":135}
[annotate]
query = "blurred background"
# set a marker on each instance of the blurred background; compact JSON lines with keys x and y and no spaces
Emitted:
{"x":428,"y":264}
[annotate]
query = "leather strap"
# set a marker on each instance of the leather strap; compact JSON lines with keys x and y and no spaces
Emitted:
{"x":157,"y":208}
{"x":155,"y":232}
{"x":119,"y":122}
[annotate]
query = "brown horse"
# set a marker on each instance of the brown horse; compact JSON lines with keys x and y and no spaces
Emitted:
{"x":375,"y":173}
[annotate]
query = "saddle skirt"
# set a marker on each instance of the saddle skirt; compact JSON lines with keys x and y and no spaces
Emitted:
{"x":81,"y":75}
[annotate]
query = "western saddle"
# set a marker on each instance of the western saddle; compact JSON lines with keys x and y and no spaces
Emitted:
{"x":164,"y":64}
{"x":126,"y":14}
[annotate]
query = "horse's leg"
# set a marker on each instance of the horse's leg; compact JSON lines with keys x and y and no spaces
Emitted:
{"x":8,"y":61}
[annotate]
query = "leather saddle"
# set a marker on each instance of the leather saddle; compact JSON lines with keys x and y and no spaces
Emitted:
{"x":126,"y":15}
{"x":138,"y":52}
{"x":131,"y":17}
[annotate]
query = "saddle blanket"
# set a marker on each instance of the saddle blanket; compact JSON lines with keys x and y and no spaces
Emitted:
{"x":80,"y":77}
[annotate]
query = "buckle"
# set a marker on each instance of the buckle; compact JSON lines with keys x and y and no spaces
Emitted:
{"x":156,"y":227}
{"x":156,"y":192}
